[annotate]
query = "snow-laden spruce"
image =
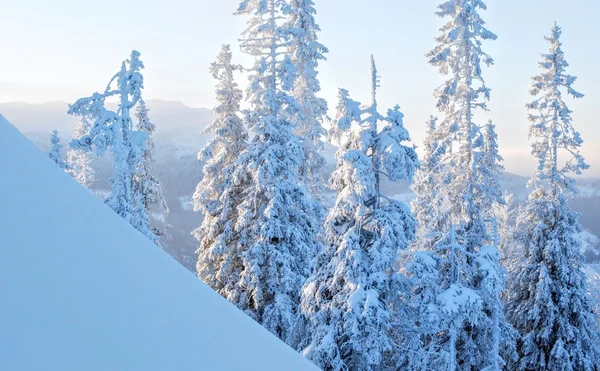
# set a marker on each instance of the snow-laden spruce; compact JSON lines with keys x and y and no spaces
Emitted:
{"x":506,"y":219}
{"x":456,"y":273}
{"x":144,"y":181}
{"x":220,"y":192}
{"x":348,"y":299}
{"x":55,"y":152}
{"x":114,"y":131}
{"x":548,"y":303}
{"x":425,"y":183}
{"x":277,"y":223}
{"x":307,"y":52}
{"x":80,"y":161}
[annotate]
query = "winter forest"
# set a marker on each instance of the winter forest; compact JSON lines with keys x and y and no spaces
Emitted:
{"x":462,"y":277}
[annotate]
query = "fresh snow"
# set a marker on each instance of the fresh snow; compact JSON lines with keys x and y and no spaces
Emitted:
{"x":83,"y":290}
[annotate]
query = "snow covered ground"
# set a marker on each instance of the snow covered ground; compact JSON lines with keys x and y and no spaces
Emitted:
{"x":82,"y":290}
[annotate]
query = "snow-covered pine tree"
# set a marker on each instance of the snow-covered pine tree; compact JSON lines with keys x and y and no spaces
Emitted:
{"x":506,"y":217}
{"x":277,"y":222}
{"x":489,"y":169}
{"x":144,"y":181}
{"x":349,"y":295}
{"x":499,"y":339}
{"x":114,"y":131}
{"x":548,"y":301}
{"x":456,"y":274}
{"x":220,"y":192}
{"x":80,"y":162}
{"x":307,"y":52}
{"x":55,"y":153}
{"x":425,"y":182}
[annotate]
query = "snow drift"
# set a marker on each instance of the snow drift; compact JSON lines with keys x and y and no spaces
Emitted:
{"x":82,"y":290}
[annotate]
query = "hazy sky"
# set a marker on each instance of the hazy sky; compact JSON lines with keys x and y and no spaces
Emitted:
{"x":64,"y":49}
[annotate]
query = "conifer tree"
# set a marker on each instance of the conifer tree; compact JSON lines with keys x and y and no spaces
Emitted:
{"x":114,"y":131}
{"x":488,"y":172}
{"x":548,"y":301}
{"x":277,"y":222}
{"x":55,"y":153}
{"x":80,"y":162}
{"x":506,"y":218}
{"x":220,"y":192}
{"x":144,"y":181}
{"x":425,"y":182}
{"x":307,"y":52}
{"x":348,"y":299}
{"x":456,"y":275}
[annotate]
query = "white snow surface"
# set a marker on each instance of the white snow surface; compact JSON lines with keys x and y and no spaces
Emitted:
{"x":83,"y":290}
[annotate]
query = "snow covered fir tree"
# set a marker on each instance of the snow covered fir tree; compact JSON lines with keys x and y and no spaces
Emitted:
{"x":424,"y":186}
{"x":277,"y":222}
{"x":455,"y":271}
{"x":547,"y":298}
{"x":80,"y":161}
{"x":307,"y":52}
{"x":55,"y":153}
{"x":348,"y":299}
{"x":129,"y":148}
{"x":220,"y":193}
{"x":145,"y":183}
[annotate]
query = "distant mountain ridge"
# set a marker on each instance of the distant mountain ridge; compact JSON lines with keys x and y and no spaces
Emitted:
{"x":169,"y":116}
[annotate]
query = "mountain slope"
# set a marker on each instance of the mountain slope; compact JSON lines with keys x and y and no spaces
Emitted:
{"x":82,"y":290}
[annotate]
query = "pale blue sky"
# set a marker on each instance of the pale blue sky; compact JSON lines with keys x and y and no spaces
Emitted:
{"x":63,"y":49}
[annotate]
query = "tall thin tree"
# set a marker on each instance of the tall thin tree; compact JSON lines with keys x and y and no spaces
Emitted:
{"x":307,"y":52}
{"x":220,"y":192}
{"x":548,"y":302}
{"x":461,"y":316}
{"x":145,"y":183}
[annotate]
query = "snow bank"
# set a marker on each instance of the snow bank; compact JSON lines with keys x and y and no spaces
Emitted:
{"x":82,"y":290}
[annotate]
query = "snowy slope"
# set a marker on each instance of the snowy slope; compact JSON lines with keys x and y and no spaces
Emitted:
{"x":82,"y":290}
